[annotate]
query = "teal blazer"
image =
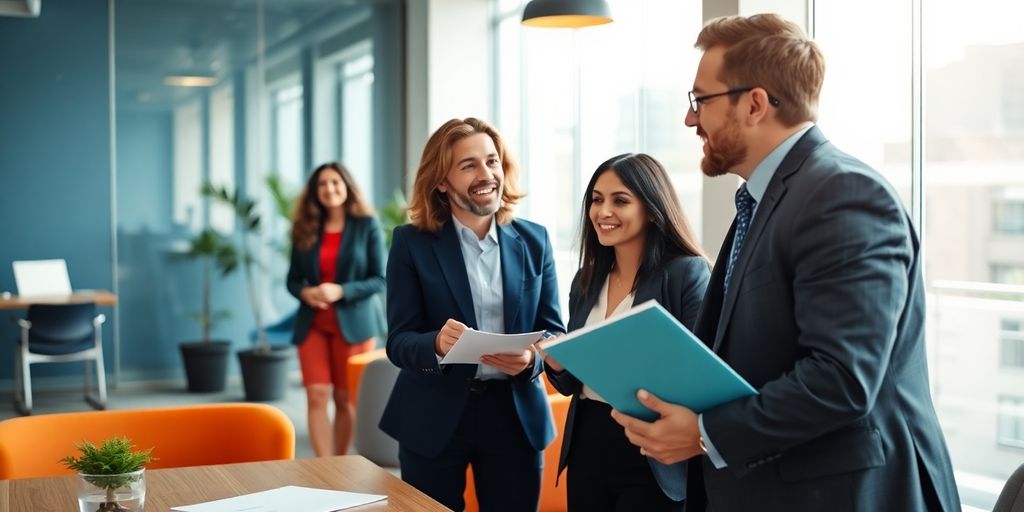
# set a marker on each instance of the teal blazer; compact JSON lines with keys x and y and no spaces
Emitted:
{"x":360,"y":272}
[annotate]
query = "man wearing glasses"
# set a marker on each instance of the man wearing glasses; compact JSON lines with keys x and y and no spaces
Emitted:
{"x":816,"y":299}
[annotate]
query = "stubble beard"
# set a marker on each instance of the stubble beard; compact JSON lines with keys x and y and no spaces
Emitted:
{"x":463,"y":200}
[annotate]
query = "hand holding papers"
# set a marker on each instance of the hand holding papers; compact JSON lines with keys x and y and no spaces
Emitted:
{"x":286,"y":499}
{"x":473,"y":345}
{"x":647,"y":348}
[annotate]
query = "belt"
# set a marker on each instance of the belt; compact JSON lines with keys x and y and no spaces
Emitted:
{"x":479,"y":386}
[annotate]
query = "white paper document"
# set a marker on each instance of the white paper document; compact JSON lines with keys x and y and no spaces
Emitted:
{"x":473,"y":344}
{"x":291,"y":498}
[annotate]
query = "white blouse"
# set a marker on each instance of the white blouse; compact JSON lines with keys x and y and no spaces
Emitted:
{"x":597,"y":315}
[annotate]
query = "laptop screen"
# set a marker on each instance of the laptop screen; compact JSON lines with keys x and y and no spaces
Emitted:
{"x":42,"y":277}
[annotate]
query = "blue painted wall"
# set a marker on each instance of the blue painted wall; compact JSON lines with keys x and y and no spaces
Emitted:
{"x":55,"y":175}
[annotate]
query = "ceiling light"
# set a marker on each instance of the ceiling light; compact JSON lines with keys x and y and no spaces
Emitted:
{"x":566,"y":13}
{"x":190,"y":81}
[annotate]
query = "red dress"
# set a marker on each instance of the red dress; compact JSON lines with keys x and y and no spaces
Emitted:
{"x":323,"y":356}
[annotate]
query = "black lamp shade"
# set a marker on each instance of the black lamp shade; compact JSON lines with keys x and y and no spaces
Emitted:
{"x":566,"y":13}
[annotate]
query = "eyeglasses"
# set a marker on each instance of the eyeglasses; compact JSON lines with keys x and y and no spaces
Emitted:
{"x":697,"y":101}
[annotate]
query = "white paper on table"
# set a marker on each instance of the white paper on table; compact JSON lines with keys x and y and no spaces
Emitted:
{"x":286,"y":499}
{"x":473,"y":345}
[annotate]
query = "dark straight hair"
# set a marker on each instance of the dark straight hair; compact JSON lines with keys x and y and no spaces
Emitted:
{"x":668,"y":235}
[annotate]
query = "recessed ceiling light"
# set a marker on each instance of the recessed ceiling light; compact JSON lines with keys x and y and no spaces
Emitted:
{"x":190,"y":81}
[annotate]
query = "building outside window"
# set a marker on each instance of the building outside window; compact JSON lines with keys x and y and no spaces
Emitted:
{"x":1011,"y":352}
{"x":1011,"y":421}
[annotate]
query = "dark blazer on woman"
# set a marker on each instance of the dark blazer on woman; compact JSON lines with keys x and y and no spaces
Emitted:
{"x":679,"y":287}
{"x":360,"y":272}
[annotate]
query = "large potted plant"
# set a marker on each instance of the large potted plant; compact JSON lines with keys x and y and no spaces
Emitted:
{"x":111,"y":476}
{"x":264,"y":368}
{"x":206,"y":360}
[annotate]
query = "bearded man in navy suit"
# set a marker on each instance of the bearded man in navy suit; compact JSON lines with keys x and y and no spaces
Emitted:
{"x":816,"y":299}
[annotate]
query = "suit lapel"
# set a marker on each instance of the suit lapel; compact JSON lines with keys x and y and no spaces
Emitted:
{"x":513,"y":263}
{"x":313,"y":259}
{"x":772,"y":197}
{"x":343,"y":248}
{"x":453,"y":266}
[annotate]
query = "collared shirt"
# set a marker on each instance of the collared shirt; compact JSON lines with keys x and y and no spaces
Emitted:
{"x":483,"y":268}
{"x":597,"y":314}
{"x":757,"y":185}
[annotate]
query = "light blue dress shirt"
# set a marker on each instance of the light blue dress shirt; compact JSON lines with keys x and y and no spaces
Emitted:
{"x":757,"y":185}
{"x":483,"y":268}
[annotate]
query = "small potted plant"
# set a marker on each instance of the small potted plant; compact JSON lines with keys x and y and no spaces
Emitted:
{"x":111,"y":476}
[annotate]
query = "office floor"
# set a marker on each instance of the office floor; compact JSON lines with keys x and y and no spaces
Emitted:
{"x":167,"y":393}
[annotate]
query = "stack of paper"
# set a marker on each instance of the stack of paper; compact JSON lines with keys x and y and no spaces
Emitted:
{"x":286,"y":499}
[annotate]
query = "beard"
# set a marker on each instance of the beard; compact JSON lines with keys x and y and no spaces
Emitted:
{"x":726,"y":149}
{"x":465,"y":201}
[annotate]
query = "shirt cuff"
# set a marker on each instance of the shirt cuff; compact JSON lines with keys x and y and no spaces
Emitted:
{"x":716,"y":458}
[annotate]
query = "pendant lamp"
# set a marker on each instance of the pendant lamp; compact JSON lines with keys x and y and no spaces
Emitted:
{"x":566,"y":13}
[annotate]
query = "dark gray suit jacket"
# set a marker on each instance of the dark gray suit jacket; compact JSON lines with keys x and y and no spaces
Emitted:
{"x":679,"y":287}
{"x":360,"y":272}
{"x":825,"y":317}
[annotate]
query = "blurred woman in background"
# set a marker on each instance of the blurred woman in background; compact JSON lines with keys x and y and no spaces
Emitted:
{"x":337,"y":270}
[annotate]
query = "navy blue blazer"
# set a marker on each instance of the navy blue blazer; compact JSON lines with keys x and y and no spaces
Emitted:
{"x":679,"y":287}
{"x":427,"y":284}
{"x":360,"y":272}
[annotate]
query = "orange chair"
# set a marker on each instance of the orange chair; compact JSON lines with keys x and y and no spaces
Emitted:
{"x":356,"y":365}
{"x":552,"y":499}
{"x":198,"y":435}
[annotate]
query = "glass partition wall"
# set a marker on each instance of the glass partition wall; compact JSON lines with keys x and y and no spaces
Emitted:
{"x":229,"y":93}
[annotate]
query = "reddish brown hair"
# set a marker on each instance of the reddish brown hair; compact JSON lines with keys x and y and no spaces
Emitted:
{"x":765,"y":50}
{"x":429,"y":208}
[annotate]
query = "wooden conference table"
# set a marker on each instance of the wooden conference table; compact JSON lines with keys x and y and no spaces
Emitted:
{"x":100,"y":297}
{"x":166,"y":488}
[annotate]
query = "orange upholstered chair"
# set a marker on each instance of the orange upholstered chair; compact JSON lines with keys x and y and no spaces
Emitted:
{"x":356,"y":365}
{"x":197,"y":435}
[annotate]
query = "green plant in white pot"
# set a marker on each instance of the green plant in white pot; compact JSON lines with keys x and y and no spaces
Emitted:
{"x":111,"y":476}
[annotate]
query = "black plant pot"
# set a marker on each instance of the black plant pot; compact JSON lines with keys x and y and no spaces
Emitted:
{"x":264,"y":374}
{"x":206,"y":365}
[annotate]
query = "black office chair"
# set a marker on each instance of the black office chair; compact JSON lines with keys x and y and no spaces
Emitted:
{"x":1012,"y":497}
{"x":58,"y":333}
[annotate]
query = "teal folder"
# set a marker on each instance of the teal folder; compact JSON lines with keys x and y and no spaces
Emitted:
{"x":647,"y":348}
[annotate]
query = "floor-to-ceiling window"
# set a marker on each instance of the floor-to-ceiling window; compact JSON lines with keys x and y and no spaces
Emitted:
{"x":973,"y":167}
{"x":569,"y":99}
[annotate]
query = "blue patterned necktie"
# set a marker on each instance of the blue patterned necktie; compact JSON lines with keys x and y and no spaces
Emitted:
{"x":745,"y":204}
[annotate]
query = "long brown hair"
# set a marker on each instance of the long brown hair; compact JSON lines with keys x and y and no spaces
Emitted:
{"x":429,"y":208}
{"x":669,"y":234}
{"x":309,"y":216}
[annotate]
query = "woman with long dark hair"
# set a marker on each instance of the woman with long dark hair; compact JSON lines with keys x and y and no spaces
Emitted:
{"x":636,"y":245}
{"x":337,"y":270}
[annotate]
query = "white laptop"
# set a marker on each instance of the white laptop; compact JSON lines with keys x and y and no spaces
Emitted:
{"x":37,"y":278}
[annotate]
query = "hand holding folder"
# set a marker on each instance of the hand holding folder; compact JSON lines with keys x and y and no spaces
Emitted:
{"x":647,"y":348}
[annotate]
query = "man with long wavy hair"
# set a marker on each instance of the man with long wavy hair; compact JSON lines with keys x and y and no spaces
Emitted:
{"x":465,"y":262}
